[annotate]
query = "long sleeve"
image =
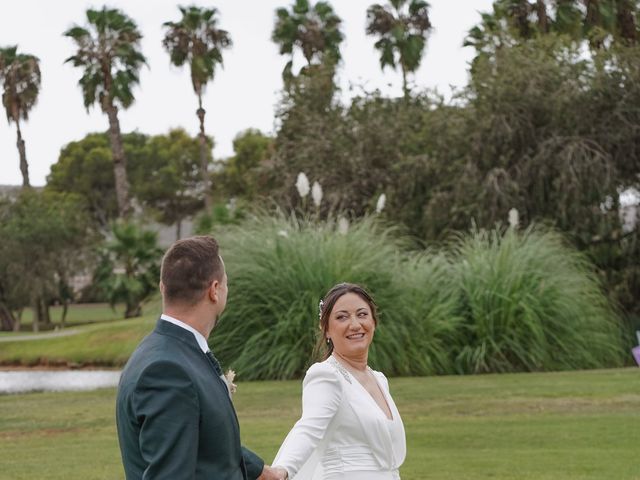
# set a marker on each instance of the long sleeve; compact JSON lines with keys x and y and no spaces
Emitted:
{"x":166,"y":405}
{"x":253,"y":463}
{"x":321,"y":398}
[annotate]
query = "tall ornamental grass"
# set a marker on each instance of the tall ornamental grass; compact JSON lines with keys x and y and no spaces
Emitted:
{"x":530,"y":302}
{"x":489,"y":302}
{"x":279,"y":269}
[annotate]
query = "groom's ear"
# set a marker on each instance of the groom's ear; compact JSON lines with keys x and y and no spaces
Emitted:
{"x":213,"y":291}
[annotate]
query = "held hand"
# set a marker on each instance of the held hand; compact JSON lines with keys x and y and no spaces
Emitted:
{"x":275,"y":473}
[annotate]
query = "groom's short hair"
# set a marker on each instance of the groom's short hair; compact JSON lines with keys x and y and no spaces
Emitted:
{"x":188,"y":269}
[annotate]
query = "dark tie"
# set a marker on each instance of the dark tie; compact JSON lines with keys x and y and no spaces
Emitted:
{"x":214,"y":361}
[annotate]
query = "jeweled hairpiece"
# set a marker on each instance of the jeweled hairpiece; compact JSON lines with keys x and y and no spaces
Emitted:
{"x":320,"y":305}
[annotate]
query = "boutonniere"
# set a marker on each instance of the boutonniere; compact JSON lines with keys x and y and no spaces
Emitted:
{"x":229,"y":377}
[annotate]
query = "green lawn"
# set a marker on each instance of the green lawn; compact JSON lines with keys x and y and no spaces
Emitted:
{"x":109,"y":344}
{"x":542,"y":426}
{"x":97,"y":338}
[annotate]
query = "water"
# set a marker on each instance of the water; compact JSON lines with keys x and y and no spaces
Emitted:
{"x":56,"y":381}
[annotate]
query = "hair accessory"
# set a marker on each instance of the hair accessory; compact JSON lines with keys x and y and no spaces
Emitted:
{"x":320,"y":305}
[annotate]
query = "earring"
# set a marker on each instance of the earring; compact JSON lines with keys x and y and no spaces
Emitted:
{"x":328,"y":341}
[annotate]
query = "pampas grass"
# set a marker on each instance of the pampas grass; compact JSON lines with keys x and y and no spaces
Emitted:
{"x":494,"y":301}
{"x":530,"y":302}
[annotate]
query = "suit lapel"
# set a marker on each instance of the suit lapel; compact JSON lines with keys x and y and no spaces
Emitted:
{"x":215,"y":368}
{"x":167,"y":328}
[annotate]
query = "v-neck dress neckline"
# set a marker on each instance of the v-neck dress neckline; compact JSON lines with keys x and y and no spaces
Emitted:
{"x":346,"y":373}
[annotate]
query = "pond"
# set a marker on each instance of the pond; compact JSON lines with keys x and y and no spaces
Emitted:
{"x":23,"y":381}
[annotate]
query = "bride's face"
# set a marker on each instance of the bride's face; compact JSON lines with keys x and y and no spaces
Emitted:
{"x":351,"y":325}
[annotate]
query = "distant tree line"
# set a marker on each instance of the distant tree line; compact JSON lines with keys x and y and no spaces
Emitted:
{"x":547,"y":130}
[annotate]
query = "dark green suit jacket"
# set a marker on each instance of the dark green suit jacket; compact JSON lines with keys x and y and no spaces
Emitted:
{"x":174,"y":415}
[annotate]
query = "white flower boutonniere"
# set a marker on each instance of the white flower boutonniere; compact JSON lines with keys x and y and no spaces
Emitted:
{"x":229,"y":377}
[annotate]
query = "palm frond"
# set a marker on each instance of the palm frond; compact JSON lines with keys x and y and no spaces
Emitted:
{"x":112,"y":38}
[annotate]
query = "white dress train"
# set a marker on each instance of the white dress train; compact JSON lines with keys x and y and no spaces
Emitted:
{"x":342,"y":434}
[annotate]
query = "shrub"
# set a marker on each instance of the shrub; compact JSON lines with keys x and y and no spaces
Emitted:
{"x":530,"y":302}
{"x":491,"y":302}
{"x":279,"y":268}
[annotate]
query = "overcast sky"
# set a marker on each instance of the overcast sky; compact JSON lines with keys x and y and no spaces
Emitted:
{"x":244,"y":92}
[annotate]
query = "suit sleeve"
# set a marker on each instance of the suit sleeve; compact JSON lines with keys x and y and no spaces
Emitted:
{"x":253,"y":463}
{"x":167,"y":409}
{"x":321,"y":398}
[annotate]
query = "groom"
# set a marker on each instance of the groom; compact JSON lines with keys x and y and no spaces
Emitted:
{"x":174,"y":413}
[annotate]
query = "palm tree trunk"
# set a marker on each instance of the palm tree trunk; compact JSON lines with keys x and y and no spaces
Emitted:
{"x":405,"y":88}
{"x":521,"y":15}
{"x":204,"y":164}
{"x":24,"y":166}
{"x":626,"y":23}
{"x":592,"y":20}
{"x":119,"y":162}
{"x":179,"y":229}
{"x":543,"y":19}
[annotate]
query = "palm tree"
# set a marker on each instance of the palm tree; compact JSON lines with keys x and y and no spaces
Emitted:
{"x":196,"y":39}
{"x":109,"y":52}
{"x":627,"y":26}
{"x":20,"y":75}
{"x":315,"y":30}
{"x":402,"y":34}
{"x":129,"y":267}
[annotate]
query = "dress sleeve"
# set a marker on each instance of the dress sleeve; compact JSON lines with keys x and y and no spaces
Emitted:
{"x":321,"y":397}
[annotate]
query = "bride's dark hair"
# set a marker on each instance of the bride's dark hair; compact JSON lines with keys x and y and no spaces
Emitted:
{"x":324,"y":347}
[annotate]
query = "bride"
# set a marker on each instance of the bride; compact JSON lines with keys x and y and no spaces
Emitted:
{"x":350,"y":427}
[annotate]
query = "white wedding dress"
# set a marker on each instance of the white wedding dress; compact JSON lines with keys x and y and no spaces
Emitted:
{"x":343,"y":434}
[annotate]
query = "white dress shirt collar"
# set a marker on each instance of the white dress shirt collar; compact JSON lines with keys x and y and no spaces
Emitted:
{"x":202,"y":342}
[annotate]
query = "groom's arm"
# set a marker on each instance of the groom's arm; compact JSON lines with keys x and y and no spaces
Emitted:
{"x":253,"y":463}
{"x":166,"y":404}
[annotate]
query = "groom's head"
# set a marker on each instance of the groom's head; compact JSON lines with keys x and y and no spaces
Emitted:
{"x":193,"y":273}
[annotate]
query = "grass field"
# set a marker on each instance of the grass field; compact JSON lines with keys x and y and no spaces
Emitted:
{"x":99,"y":337}
{"x":569,"y":425}
{"x":109,"y":344}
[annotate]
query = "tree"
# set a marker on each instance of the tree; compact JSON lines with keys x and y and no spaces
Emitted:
{"x":12,"y":299}
{"x":108,"y":49}
{"x":129,"y":267}
{"x":45,"y":239}
{"x":84,"y":167}
{"x":315,"y":30}
{"x":243,"y":174}
{"x":163,"y":169}
{"x":197,"y":40}
{"x":601,"y":23}
{"x":402,"y":34}
{"x":20,"y":76}
{"x":167,"y":180}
